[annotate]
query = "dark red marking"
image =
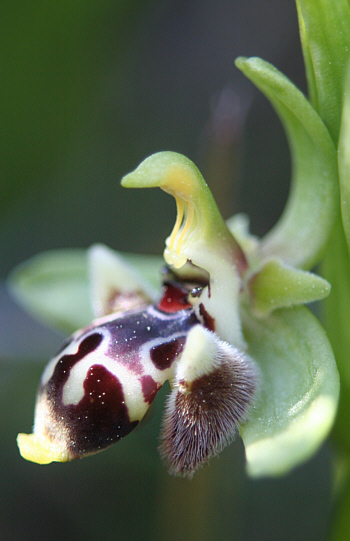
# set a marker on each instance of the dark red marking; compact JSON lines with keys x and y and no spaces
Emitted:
{"x":149,"y":388}
{"x":174,"y":298}
{"x":209,"y":322}
{"x":66,"y":362}
{"x":164,"y":355}
{"x":101,"y":417}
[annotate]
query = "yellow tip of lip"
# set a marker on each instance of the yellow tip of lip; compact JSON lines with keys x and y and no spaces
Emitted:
{"x":39,"y":449}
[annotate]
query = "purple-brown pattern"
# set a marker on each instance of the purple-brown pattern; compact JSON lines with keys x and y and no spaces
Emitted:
{"x":121,"y":363}
{"x":66,"y":362}
{"x":101,"y":417}
{"x":209,"y":322}
{"x":149,"y":388}
{"x":101,"y":383}
{"x":165,"y":354}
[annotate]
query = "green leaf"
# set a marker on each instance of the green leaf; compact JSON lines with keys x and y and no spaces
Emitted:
{"x":279,"y":286}
{"x":309,"y":71}
{"x":336,"y":268}
{"x":304,"y":227}
{"x":54,"y":286}
{"x":325,"y":38}
{"x":344,"y":160}
{"x":299,"y":391}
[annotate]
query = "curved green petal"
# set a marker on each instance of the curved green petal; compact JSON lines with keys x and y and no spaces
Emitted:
{"x":277,"y":285}
{"x":304,"y":227}
{"x":299,"y":391}
{"x":54,"y":286}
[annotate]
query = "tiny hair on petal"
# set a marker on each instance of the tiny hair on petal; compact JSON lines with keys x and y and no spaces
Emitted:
{"x":213,"y":389}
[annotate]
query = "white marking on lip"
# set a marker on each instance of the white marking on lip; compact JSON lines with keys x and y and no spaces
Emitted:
{"x":164,"y":316}
{"x":73,"y":390}
{"x":147,"y":362}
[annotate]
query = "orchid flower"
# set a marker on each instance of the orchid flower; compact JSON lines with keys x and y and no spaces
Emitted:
{"x":226,"y":332}
{"x":227,"y":328}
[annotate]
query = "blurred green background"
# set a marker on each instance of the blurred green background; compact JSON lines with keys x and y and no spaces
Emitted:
{"x":88,"y":90}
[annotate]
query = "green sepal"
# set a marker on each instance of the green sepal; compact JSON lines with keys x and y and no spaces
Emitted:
{"x":325,"y":37}
{"x":277,"y":285}
{"x":299,"y":388}
{"x":55,"y":287}
{"x":301,"y":233}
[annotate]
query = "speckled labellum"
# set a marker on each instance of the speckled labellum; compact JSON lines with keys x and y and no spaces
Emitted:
{"x":101,"y":383}
{"x":100,"y":386}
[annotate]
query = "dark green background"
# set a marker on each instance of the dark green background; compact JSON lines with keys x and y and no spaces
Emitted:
{"x":88,"y":90}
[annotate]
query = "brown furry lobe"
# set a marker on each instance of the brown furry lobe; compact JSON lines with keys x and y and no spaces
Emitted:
{"x":202,"y":416}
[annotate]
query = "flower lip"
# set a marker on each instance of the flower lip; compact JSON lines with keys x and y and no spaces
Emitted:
{"x":40,"y":449}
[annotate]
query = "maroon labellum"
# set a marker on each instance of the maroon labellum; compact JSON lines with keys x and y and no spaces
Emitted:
{"x":101,"y":383}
